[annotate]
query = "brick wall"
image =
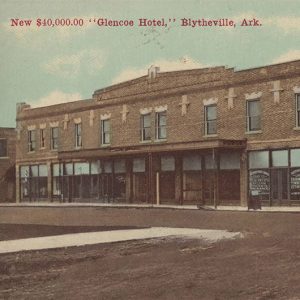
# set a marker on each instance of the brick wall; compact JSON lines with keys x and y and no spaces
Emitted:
{"x":278,"y":119}
{"x":7,"y":183}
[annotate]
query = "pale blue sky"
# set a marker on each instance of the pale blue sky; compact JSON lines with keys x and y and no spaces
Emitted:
{"x":52,"y":65}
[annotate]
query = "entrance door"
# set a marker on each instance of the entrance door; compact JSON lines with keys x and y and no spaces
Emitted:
{"x":167,"y":187}
{"x":279,"y":186}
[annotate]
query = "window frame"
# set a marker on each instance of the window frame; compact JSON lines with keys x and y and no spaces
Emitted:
{"x":248,"y":117}
{"x":78,"y":135}
{"x":42,"y":138}
{"x":143,"y":128}
{"x":31,"y":140}
{"x":158,"y":126}
{"x":53,"y":145}
{"x":207,"y":121}
{"x":104,"y":133}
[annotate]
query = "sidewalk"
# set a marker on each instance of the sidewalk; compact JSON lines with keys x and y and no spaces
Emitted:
{"x":136,"y":206}
{"x":90,"y":238}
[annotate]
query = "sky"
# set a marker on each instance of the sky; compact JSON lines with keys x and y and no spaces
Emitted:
{"x":43,"y":65}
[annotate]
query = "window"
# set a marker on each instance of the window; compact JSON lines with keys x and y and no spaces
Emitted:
{"x":3,"y":148}
{"x":78,"y":140}
{"x":42,"y":138}
{"x":167,"y":163}
{"x":210,"y":119}
{"x":258,"y":159}
{"x":146,"y":127}
{"x":105,"y":132}
{"x":297,"y":110}
{"x":253,"y":115}
{"x":138,"y":165}
{"x":161,"y":125}
{"x":31,"y":140}
{"x":54,"y":138}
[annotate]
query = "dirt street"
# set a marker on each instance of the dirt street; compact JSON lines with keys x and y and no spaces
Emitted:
{"x":265,"y":264}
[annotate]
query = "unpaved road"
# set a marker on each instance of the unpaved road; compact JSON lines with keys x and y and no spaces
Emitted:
{"x":265,"y":264}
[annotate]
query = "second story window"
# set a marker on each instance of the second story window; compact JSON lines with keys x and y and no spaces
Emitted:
{"x":3,"y":148}
{"x":42,"y":138}
{"x":31,"y":141}
{"x":161,"y":125}
{"x":105,"y":132}
{"x":146,"y":127}
{"x":297,"y":110}
{"x":210,"y":116}
{"x":54,"y":138}
{"x":78,"y":139}
{"x":253,"y":115}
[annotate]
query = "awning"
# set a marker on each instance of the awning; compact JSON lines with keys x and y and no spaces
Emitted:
{"x":158,"y":147}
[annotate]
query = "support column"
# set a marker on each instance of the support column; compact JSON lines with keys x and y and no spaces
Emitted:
{"x":178,"y":179}
{"x":244,"y":179}
{"x":129,"y":186}
{"x":49,"y":181}
{"x":18,"y":200}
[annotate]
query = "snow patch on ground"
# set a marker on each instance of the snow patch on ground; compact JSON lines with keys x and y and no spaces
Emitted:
{"x":89,"y":238}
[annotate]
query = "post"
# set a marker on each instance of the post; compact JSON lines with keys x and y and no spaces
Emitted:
{"x":215,"y":177}
{"x":157,"y":189}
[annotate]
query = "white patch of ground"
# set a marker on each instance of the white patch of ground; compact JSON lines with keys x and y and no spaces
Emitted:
{"x":89,"y":238}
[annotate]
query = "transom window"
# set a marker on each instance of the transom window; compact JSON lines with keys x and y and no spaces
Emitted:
{"x":146,"y":127}
{"x":3,"y":148}
{"x":31,"y":140}
{"x":253,"y":115}
{"x":54,"y":138}
{"x":105,"y":132}
{"x":42,"y":138}
{"x":210,"y":115}
{"x":298,"y":110}
{"x":78,"y":139}
{"x":161,"y":125}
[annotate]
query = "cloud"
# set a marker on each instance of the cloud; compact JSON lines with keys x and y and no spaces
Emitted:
{"x":287,"y":24}
{"x":184,"y":63}
{"x":288,"y":56}
{"x":55,"y":97}
{"x":67,"y":66}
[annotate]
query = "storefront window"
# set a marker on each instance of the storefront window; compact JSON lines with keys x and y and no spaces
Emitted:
{"x":95,"y":167}
{"x":191,"y":162}
{"x":120,"y":166}
{"x":258,"y":159}
{"x":260,"y":184}
{"x":139,"y":165}
{"x":167,"y":163}
{"x":280,"y":158}
{"x":81,"y":168}
{"x":107,"y":166}
{"x":209,"y":162}
{"x":295,"y":158}
{"x":230,"y":161}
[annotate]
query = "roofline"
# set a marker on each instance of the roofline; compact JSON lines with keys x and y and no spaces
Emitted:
{"x":266,"y":66}
{"x":57,"y":105}
{"x":112,"y":86}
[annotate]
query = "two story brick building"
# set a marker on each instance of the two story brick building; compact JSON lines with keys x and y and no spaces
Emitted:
{"x":7,"y":164}
{"x":207,"y":137}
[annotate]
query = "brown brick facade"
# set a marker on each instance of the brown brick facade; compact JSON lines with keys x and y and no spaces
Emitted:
{"x":7,"y":164}
{"x":229,"y":90}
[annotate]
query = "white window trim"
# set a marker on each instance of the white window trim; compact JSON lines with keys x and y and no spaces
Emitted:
{"x":248,"y":131}
{"x":102,"y":133}
{"x":253,"y":96}
{"x":76,"y":145}
{"x":206,"y":134}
